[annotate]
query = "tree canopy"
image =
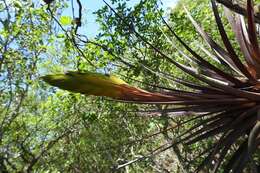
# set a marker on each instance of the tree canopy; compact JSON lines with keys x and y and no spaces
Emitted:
{"x":197,"y":69}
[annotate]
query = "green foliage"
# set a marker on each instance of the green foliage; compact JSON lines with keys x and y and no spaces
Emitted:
{"x":65,"y":20}
{"x":44,"y":129}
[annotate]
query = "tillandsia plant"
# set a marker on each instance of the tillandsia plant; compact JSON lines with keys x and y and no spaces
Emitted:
{"x":228,"y":101}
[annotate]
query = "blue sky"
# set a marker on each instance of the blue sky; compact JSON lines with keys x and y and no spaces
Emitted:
{"x":89,"y":6}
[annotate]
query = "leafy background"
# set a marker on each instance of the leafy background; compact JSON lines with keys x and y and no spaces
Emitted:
{"x":44,"y":129}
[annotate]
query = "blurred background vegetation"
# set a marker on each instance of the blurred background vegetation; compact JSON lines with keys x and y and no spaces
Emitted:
{"x":44,"y":129}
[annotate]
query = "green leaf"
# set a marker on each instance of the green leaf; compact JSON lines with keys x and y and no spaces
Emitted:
{"x":65,"y":20}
